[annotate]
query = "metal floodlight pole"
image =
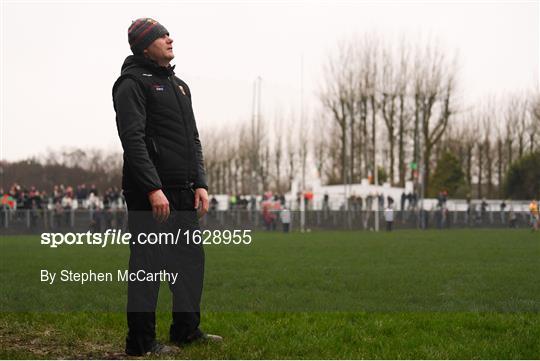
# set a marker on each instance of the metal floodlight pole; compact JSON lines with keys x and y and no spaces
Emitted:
{"x":417,"y":171}
{"x":259,"y":118}
{"x":422,"y":175}
{"x":376,"y":179}
{"x":255,"y":131}
{"x":344,"y":170}
{"x":302,"y":200}
{"x":253,"y":141}
{"x":421,"y":195}
{"x":345,"y":189}
{"x":259,"y":106}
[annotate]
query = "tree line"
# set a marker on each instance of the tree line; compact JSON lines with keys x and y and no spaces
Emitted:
{"x":394,"y":107}
{"x":66,"y":166}
{"x":394,"y":110}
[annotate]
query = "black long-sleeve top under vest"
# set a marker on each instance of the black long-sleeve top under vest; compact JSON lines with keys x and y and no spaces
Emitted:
{"x":157,"y":128}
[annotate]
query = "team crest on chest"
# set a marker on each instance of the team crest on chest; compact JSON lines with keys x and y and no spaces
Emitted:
{"x":158,"y":87}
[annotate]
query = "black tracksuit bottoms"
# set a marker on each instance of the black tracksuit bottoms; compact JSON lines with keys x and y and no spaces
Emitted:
{"x":184,"y":258}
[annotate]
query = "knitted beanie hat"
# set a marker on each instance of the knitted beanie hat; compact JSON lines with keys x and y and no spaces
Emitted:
{"x":143,"y":32}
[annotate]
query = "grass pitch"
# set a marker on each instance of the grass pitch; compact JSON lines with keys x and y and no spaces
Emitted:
{"x":434,"y":294}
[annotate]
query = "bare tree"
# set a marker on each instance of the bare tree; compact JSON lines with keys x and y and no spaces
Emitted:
{"x":333,"y":165}
{"x":469,"y":135}
{"x":303,"y":148}
{"x":244,"y":155}
{"x":334,"y":96}
{"x":291,"y":158}
{"x":518,"y":115}
{"x":320,"y":145}
{"x":370,"y":65}
{"x":278,"y":151}
{"x":500,"y":157}
{"x":510,"y":132}
{"x":534,"y":119}
{"x":487,"y":121}
{"x":403,"y":114}
{"x":434,"y":92}
{"x":390,"y":90}
{"x":264,"y":166}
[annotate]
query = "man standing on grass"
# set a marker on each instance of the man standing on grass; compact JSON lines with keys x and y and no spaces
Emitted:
{"x":163,"y":172}
{"x":533,"y":209}
{"x":389,"y":217}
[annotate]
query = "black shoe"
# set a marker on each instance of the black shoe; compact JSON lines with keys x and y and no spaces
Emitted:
{"x":157,"y":349}
{"x":161,"y":349}
{"x":211,"y":338}
{"x":199,"y":336}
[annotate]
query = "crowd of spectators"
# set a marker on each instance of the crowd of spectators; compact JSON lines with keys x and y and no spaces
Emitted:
{"x":272,"y":206}
{"x":60,"y":197}
{"x":63,"y":200}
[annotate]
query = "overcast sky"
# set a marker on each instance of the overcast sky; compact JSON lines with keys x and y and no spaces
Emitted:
{"x":60,"y":60}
